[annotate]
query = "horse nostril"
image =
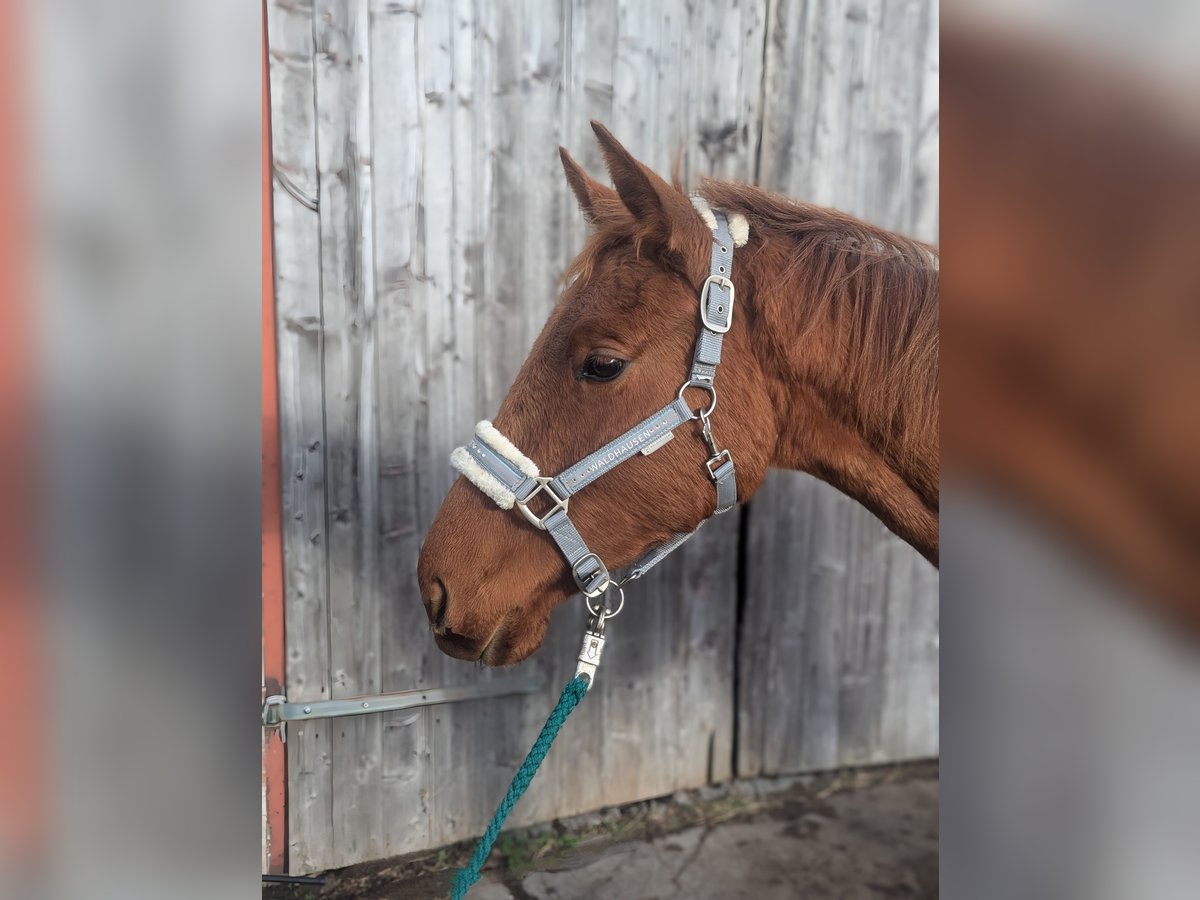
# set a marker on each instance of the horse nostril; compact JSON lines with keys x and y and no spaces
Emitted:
{"x":436,"y":606}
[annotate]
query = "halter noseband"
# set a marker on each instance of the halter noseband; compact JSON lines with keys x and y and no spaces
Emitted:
{"x":494,"y":464}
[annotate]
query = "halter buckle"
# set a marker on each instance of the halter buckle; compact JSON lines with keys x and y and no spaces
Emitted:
{"x":601,"y":575}
{"x":543,"y":487}
{"x":716,"y":462}
{"x":725,"y":284}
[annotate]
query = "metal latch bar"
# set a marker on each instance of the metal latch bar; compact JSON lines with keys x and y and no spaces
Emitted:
{"x":277,"y":709}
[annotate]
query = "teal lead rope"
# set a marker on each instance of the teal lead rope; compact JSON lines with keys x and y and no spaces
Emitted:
{"x":570,"y":698}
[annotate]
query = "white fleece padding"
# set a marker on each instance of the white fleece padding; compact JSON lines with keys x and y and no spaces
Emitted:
{"x":489,"y":435}
{"x":461,"y":460}
{"x":705,"y":211}
{"x":739,"y":228}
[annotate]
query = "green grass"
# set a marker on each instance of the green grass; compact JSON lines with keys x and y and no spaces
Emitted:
{"x":520,"y":850}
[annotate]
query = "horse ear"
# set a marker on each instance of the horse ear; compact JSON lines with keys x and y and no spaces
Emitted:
{"x":664,"y":211}
{"x":596,"y":200}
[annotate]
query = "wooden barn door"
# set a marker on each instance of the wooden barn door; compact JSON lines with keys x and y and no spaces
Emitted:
{"x":421,"y":224}
{"x":842,"y":615}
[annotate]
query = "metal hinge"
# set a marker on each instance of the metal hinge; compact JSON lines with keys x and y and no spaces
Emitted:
{"x":278,"y":711}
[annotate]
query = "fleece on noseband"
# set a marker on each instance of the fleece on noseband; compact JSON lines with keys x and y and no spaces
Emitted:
{"x":490,"y":435}
{"x":461,"y":460}
{"x":739,"y":228}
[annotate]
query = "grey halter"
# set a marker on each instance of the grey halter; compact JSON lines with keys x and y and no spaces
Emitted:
{"x":506,"y":473}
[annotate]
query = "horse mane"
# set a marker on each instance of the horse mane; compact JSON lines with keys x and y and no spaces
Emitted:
{"x":879,"y":288}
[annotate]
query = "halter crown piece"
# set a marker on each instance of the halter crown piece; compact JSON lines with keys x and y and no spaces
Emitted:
{"x":494,"y":464}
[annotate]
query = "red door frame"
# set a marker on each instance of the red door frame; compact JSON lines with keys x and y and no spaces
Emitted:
{"x":274,"y":677}
{"x":24,"y":776}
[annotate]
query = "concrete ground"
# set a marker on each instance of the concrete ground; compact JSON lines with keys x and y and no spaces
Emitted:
{"x":859,"y":834}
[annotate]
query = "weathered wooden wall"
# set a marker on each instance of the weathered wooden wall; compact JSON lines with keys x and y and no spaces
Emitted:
{"x":840,"y":620}
{"x":421,"y":224}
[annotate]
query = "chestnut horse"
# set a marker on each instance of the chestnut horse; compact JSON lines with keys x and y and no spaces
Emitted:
{"x":830,"y":367}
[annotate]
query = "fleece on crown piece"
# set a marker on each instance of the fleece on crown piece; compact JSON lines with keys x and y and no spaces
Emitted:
{"x":461,"y":460}
{"x":739,"y":228}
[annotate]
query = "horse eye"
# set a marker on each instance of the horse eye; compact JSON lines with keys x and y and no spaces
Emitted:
{"x":601,"y":368}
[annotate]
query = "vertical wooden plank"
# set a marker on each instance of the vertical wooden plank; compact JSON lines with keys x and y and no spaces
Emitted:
{"x":588,"y":76}
{"x":925,"y":181}
{"x":301,"y":421}
{"x":459,"y":767}
{"x":911,"y":680}
{"x":724,"y":53}
{"x":839,"y":662}
{"x":342,"y":60}
{"x":434,"y":226}
{"x":406,"y":651}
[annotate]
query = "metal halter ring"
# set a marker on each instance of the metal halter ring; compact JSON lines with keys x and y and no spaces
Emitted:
{"x":703,"y":385}
{"x":603,"y":612}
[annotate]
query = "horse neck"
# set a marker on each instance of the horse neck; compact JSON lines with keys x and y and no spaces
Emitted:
{"x":867,"y":428}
